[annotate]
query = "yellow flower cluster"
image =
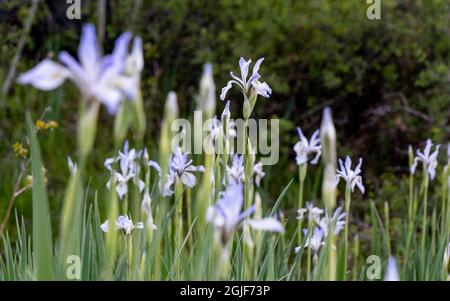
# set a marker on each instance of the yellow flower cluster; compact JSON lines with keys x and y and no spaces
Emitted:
{"x":19,"y":150}
{"x":45,"y":125}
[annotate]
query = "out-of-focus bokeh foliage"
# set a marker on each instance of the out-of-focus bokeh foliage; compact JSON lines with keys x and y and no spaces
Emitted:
{"x":387,"y":81}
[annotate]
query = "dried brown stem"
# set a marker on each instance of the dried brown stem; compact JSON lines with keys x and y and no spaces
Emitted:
{"x":17,"y":191}
{"x":20,"y":46}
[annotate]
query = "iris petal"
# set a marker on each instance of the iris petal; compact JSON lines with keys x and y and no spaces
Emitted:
{"x":88,"y":51}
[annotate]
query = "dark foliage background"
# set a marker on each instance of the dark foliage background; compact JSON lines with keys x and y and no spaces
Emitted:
{"x":386,"y":80}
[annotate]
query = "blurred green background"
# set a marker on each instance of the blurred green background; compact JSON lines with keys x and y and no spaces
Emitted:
{"x":387,"y":81}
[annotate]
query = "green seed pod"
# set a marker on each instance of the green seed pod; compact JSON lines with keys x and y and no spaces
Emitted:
{"x":170,"y":114}
{"x":206,"y":101}
{"x":329,"y":186}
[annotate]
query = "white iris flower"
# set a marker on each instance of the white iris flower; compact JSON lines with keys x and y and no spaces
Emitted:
{"x":428,"y":158}
{"x":248,"y":84}
{"x":227,"y":215}
{"x":180,"y":168}
{"x":124,"y":223}
{"x":352,"y":177}
{"x":101,"y":78}
{"x":304,"y":148}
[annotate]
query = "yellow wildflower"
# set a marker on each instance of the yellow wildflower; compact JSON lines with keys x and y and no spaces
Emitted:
{"x":19,"y":150}
{"x":40,"y":124}
{"x":43,"y":125}
{"x":51,"y":124}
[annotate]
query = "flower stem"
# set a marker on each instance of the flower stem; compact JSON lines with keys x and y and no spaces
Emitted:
{"x":247,"y":168}
{"x":347,"y":213}
{"x":178,"y":223}
{"x":445,"y":175}
{"x":308,"y":252}
{"x":14,"y":195}
{"x":386,"y":221}
{"x":189,"y":213}
{"x":331,"y":258}
{"x":355,"y":258}
{"x":424,"y":218}
{"x":111,"y":236}
{"x":248,"y":187}
{"x":308,"y":264}
{"x":410,"y":216}
{"x":302,"y":175}
{"x":224,"y":262}
{"x":129,"y":242}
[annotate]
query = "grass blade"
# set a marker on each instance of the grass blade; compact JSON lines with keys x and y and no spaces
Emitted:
{"x":42,"y":233}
